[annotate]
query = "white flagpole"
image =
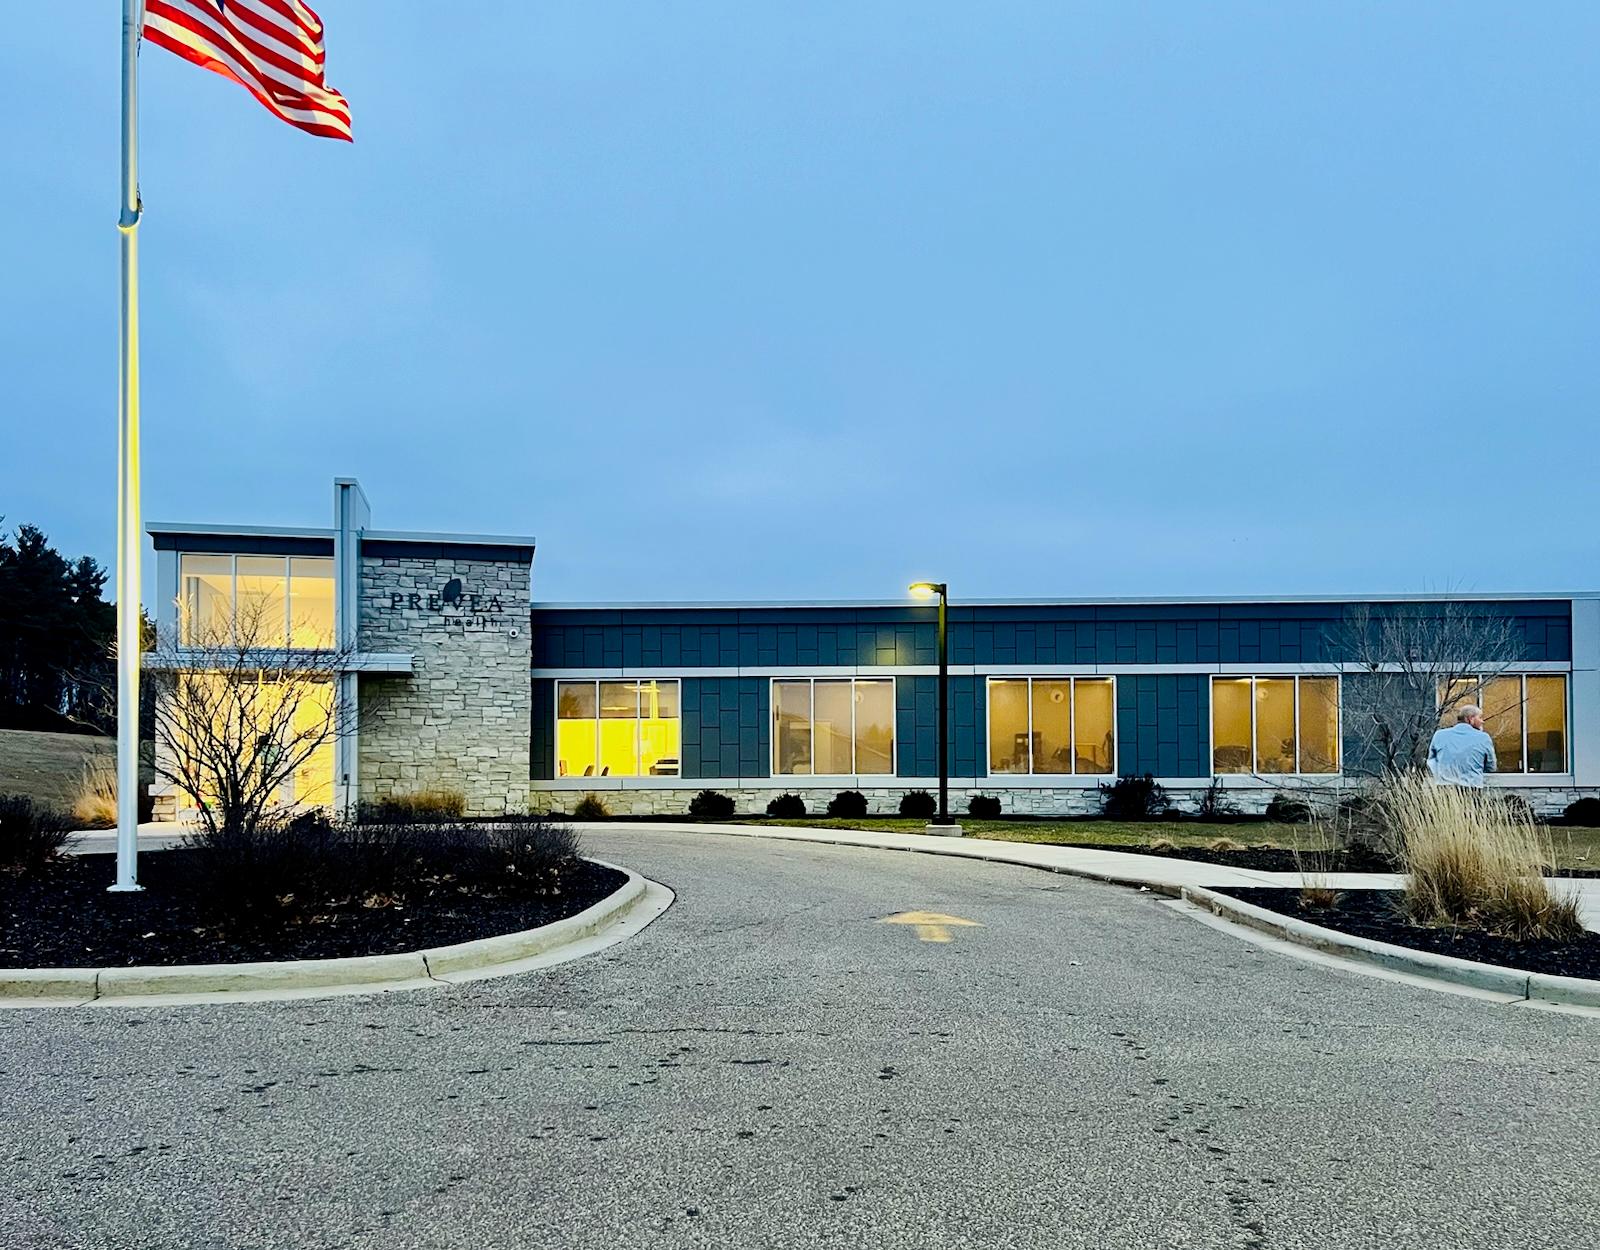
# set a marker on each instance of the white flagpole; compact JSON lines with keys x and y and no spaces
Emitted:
{"x":128,"y":519}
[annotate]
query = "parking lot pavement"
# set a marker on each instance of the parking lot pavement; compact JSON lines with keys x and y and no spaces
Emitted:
{"x":771,"y":1064}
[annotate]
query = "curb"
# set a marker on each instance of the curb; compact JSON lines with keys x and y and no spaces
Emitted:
{"x":926,"y":844}
{"x":1512,"y":982}
{"x":46,"y":987}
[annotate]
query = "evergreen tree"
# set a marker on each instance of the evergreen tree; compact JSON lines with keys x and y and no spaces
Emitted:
{"x":56,"y":630}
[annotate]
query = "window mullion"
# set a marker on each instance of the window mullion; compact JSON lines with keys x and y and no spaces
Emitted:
{"x":288,"y":624}
{"x":811,"y":723}
{"x":1522,"y":713}
{"x":1072,"y":726}
{"x":855,"y":764}
{"x":1255,"y":762}
{"x":1295,"y":688}
{"x":1030,"y":726}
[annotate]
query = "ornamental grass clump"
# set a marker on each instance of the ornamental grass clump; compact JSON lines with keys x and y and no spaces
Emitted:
{"x":1473,"y":862}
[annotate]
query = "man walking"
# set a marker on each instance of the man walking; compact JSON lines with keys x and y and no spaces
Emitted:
{"x":1462,"y":754}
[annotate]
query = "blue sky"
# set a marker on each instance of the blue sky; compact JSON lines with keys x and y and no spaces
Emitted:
{"x":801,"y":301}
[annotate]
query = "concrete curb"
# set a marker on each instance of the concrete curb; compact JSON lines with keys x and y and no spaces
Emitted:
{"x":1513,"y":982}
{"x":75,"y":986}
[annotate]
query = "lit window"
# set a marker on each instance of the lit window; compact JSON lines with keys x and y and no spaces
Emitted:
{"x":626,"y":728}
{"x":1275,"y":725}
{"x":1045,"y":725}
{"x":256,"y":601}
{"x":1525,"y":714}
{"x":837,"y":728}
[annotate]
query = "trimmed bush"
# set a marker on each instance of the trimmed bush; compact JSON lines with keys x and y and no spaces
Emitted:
{"x":711,"y":805}
{"x":848,"y":804}
{"x":787,"y":807}
{"x":591,"y":807}
{"x":1584,"y":811}
{"x":918,"y":803}
{"x":983,"y":806}
{"x":31,"y":834}
{"x":1135,"y":798}
{"x":1288,"y":810}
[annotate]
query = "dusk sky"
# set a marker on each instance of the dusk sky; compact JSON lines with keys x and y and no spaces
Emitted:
{"x":732,"y":301}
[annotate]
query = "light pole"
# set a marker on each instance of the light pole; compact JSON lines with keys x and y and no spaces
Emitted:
{"x":942,"y":823}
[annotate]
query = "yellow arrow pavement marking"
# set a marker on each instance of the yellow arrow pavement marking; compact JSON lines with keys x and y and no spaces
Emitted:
{"x":931,"y":926}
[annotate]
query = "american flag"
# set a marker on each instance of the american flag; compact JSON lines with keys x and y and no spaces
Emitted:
{"x":271,"y":47}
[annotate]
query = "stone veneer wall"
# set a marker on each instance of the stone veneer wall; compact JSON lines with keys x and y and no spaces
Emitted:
{"x":1546,"y":801}
{"x":461,"y":721}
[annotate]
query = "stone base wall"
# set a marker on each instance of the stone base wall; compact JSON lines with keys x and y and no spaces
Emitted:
{"x":885,"y":801}
{"x":460,"y":720}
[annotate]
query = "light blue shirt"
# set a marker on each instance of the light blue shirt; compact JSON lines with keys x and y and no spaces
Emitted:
{"x":1460,"y":755}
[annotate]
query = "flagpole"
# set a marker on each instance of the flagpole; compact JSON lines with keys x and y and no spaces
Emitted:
{"x":128,"y":520}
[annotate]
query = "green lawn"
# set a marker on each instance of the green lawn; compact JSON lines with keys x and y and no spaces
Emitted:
{"x":1574,"y":848}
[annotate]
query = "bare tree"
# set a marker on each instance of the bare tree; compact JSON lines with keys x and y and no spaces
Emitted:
{"x":1417,"y":664}
{"x":240,"y":717}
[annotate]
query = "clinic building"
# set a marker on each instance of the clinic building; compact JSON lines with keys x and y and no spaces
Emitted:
{"x":475,"y":685}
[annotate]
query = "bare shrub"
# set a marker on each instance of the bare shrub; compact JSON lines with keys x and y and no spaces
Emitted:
{"x":1474,"y":862}
{"x":31,"y":834}
{"x":433,"y":805}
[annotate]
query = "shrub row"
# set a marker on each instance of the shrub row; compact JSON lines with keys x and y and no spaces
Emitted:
{"x":307,"y":864}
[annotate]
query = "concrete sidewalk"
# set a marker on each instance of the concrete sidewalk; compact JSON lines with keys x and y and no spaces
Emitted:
{"x":1164,"y":874}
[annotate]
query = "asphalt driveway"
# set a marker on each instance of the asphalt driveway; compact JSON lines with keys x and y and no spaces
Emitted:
{"x":770,"y":1064}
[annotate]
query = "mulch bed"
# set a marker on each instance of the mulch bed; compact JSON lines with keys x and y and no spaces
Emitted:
{"x":1375,"y":914}
{"x":62,"y":916}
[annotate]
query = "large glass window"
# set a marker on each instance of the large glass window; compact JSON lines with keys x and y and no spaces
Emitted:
{"x":256,"y":601}
{"x":1525,"y":714}
{"x":626,"y":728}
{"x":1274,"y":725}
{"x":1044,"y":725}
{"x":827,"y":727}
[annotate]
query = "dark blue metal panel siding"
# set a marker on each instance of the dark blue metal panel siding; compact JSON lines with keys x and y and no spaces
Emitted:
{"x":1163,"y":724}
{"x":917,"y":726}
{"x":1264,"y":633}
{"x":725,"y":732}
{"x":542,"y":735}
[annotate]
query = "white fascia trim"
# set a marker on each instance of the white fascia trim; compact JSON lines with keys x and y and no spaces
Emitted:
{"x":238,"y":531}
{"x":1243,"y":669}
{"x":470,"y":540}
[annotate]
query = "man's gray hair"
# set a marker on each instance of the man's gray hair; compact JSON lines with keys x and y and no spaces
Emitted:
{"x":1467,"y":712}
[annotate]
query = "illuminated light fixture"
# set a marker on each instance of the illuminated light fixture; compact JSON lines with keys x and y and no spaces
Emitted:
{"x":941,"y":824}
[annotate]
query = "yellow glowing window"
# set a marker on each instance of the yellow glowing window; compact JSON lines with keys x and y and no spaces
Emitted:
{"x":627,"y":728}
{"x":1275,"y":725}
{"x":1525,"y":714}
{"x":1044,"y":725}
{"x":826,"y":727}
{"x":256,"y":601}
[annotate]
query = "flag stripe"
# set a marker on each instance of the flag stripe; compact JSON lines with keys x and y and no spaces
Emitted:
{"x":177,"y":20}
{"x":272,"y":41}
{"x":272,"y":48}
{"x":274,"y":69}
{"x":185,"y":45}
{"x":266,"y":18}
